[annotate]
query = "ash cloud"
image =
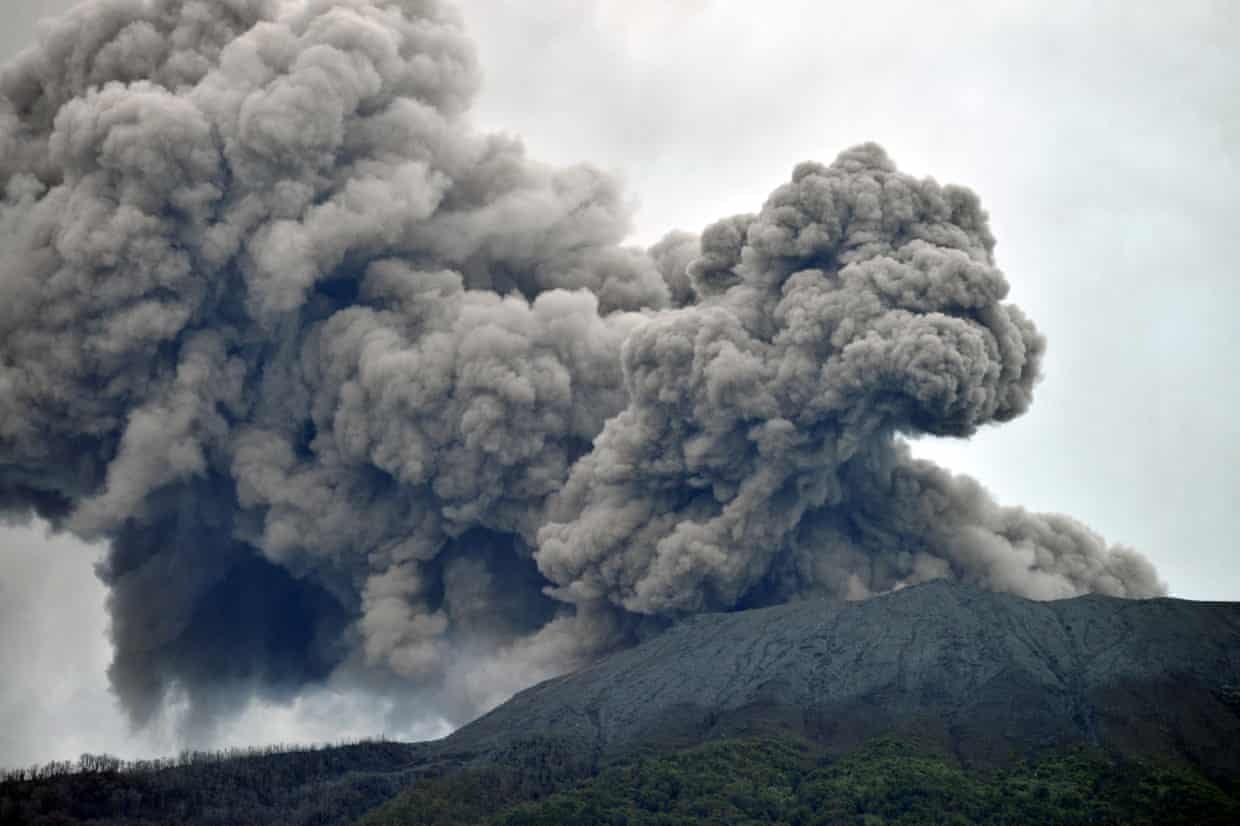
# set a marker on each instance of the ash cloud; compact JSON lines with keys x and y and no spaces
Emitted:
{"x":353,"y":389}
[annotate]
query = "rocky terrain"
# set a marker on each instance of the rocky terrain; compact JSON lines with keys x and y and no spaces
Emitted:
{"x":984,"y":675}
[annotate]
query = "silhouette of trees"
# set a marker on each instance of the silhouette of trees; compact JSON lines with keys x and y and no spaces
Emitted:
{"x":319,"y":785}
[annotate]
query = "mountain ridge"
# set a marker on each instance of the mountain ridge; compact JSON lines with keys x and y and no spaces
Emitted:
{"x":984,"y":674}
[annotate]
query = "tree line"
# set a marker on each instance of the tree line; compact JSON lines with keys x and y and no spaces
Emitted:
{"x":89,"y":763}
{"x":322,"y":785}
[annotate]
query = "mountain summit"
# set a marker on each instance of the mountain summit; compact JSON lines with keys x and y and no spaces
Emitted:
{"x":987,"y":676}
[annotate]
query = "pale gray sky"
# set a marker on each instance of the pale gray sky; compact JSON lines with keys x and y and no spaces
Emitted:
{"x":1104,"y":139}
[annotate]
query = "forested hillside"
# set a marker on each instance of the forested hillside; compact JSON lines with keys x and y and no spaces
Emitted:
{"x":759,"y":780}
{"x":787,"y":781}
{"x":329,"y":785}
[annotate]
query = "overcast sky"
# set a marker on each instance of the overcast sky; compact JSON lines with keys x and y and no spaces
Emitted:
{"x":1104,"y":139}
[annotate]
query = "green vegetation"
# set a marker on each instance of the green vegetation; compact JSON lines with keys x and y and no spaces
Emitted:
{"x":784,"y":782}
{"x":537,"y":782}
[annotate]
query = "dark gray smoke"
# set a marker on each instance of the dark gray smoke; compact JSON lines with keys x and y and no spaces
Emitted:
{"x":352,"y":388}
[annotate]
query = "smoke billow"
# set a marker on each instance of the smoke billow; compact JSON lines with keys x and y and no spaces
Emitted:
{"x":351,"y":388}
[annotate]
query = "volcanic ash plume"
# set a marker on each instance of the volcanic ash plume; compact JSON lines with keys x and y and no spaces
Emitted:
{"x":350,"y":388}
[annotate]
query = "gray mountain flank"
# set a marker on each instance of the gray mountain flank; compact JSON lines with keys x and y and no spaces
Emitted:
{"x":985,"y":675}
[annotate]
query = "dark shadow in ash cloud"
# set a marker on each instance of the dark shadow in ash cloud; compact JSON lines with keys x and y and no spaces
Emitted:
{"x":352,"y":389}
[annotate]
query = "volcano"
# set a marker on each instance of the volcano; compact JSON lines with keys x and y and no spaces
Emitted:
{"x":984,"y":675}
{"x":938,"y":700}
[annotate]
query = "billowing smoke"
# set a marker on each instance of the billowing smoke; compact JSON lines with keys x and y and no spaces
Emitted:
{"x":349,"y":387}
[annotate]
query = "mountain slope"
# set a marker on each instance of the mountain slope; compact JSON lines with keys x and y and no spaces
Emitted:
{"x":1137,"y":699}
{"x":986,"y":676}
